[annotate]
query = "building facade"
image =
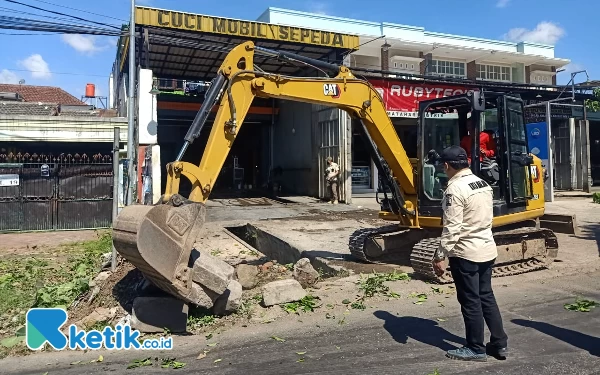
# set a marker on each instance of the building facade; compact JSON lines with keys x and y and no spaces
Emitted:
{"x":407,"y":64}
{"x":180,"y":52}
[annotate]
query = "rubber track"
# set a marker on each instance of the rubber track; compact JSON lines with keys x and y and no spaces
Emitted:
{"x":423,"y":252}
{"x":359,"y":237}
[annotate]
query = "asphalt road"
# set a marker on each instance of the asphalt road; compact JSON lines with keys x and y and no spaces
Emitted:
{"x":544,"y":338}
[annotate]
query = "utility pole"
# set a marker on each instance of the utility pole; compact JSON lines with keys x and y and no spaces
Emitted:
{"x":131,"y":109}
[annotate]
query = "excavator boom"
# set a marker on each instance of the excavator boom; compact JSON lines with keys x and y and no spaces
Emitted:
{"x":158,"y":239}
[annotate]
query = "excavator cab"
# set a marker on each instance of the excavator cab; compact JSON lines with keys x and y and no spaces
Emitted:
{"x":442,"y":123}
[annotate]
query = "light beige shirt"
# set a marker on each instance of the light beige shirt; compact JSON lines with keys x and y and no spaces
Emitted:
{"x":331,"y":170}
{"x":468,"y":215}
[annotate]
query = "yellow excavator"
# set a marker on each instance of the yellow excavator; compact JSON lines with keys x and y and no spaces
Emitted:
{"x":158,"y":239}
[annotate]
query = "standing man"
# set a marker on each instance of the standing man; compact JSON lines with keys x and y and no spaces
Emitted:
{"x":468,"y":242}
{"x":331,"y":174}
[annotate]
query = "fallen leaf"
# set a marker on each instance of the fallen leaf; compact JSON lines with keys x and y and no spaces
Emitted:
{"x":75,"y":363}
{"x":300,"y":353}
{"x":277,"y":338}
{"x":337,"y":347}
{"x":213,"y":344}
{"x":100,"y":358}
{"x":217,"y":360}
{"x":441,"y":320}
{"x":201,"y":356}
{"x":346,"y":301}
{"x":300,"y":360}
{"x":209,"y":336}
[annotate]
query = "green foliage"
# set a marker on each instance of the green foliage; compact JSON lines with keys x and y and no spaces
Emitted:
{"x":581,"y":305}
{"x":306,"y":304}
{"x":53,"y":279}
{"x":374,"y":283}
{"x":200,"y":317}
{"x":593,"y":105}
{"x":596,"y":197}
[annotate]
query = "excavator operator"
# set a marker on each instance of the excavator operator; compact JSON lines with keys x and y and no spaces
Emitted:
{"x":487,"y":145}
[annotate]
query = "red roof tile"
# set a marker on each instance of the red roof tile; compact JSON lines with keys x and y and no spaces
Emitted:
{"x":44,"y":94}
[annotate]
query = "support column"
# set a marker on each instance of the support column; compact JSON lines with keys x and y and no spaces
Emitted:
{"x":528,"y":74}
{"x":472,"y":70}
{"x":424,"y":66}
{"x":584,"y":125}
{"x":573,"y":156}
{"x":554,"y":76}
{"x":385,"y":58}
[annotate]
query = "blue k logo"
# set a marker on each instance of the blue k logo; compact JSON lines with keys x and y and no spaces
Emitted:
{"x":43,"y":325}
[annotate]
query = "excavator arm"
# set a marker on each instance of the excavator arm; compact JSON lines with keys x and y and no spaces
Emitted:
{"x":233,"y":92}
{"x":159,"y":239}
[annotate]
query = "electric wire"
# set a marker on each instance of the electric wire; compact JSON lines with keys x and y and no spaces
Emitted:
{"x":81,"y":10}
{"x":63,"y":14}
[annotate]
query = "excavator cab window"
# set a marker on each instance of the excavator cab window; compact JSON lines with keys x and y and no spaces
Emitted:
{"x":443,"y":122}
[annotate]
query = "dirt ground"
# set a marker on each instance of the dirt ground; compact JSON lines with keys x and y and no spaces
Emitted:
{"x":23,"y":243}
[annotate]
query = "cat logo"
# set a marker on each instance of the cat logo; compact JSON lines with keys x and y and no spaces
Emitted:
{"x":331,"y":89}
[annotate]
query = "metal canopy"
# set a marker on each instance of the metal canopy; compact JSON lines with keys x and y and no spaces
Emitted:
{"x":196,"y":56}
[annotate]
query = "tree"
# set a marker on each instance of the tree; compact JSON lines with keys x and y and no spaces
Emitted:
{"x":594,"y":105}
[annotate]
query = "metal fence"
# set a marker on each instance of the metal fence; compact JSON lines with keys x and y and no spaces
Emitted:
{"x":55,"y":192}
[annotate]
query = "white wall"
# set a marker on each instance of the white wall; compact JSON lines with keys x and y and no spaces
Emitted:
{"x":536,"y":49}
{"x":147,"y":124}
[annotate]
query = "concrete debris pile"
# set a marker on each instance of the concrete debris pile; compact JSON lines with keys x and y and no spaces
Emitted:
{"x":218,"y":287}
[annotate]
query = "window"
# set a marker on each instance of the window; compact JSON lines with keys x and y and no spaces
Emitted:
{"x":447,"y":68}
{"x":403,"y":65}
{"x":493,"y":72}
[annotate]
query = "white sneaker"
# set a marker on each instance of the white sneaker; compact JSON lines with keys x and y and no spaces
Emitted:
{"x":335,"y":202}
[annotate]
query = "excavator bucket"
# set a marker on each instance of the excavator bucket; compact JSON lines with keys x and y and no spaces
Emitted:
{"x":158,"y":240}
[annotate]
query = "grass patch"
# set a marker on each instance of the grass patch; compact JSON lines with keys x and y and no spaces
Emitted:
{"x":199,"y":317}
{"x":53,"y":279}
{"x":373,"y":285}
{"x":306,"y":304}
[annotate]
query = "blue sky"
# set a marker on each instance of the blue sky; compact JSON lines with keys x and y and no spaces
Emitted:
{"x":40,"y":60}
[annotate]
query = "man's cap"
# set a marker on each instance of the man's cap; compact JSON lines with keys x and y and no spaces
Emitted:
{"x":329,"y":158}
{"x":454,"y":153}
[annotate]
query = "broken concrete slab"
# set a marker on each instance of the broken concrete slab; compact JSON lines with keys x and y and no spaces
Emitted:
{"x":247,"y":275}
{"x":154,"y":314}
{"x":282,"y":291}
{"x":229,"y":301}
{"x":211,"y":272}
{"x":305,"y":273}
{"x":323,"y":240}
{"x":201,"y":296}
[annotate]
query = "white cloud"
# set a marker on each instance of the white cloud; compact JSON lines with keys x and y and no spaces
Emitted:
{"x":545,"y":32}
{"x":36,"y":66}
{"x":87,"y":44}
{"x":6,"y":76}
{"x":502,"y":3}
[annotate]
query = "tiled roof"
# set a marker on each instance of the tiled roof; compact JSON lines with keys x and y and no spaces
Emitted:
{"x":45,"y":94}
{"x":28,"y":109}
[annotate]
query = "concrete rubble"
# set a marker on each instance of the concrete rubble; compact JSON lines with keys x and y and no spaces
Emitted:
{"x":247,"y":275}
{"x":282,"y":291}
{"x":229,"y":301}
{"x":305,"y":273}
{"x":211,"y":272}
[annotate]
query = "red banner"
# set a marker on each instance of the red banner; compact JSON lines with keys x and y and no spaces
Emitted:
{"x":402,"y":98}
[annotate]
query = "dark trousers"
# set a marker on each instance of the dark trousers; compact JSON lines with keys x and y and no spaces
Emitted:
{"x":473,"y":283}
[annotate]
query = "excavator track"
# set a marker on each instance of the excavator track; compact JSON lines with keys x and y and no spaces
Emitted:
{"x":359,"y":237}
{"x":423,"y":251}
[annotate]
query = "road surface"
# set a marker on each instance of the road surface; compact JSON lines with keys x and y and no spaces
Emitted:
{"x":389,"y":337}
